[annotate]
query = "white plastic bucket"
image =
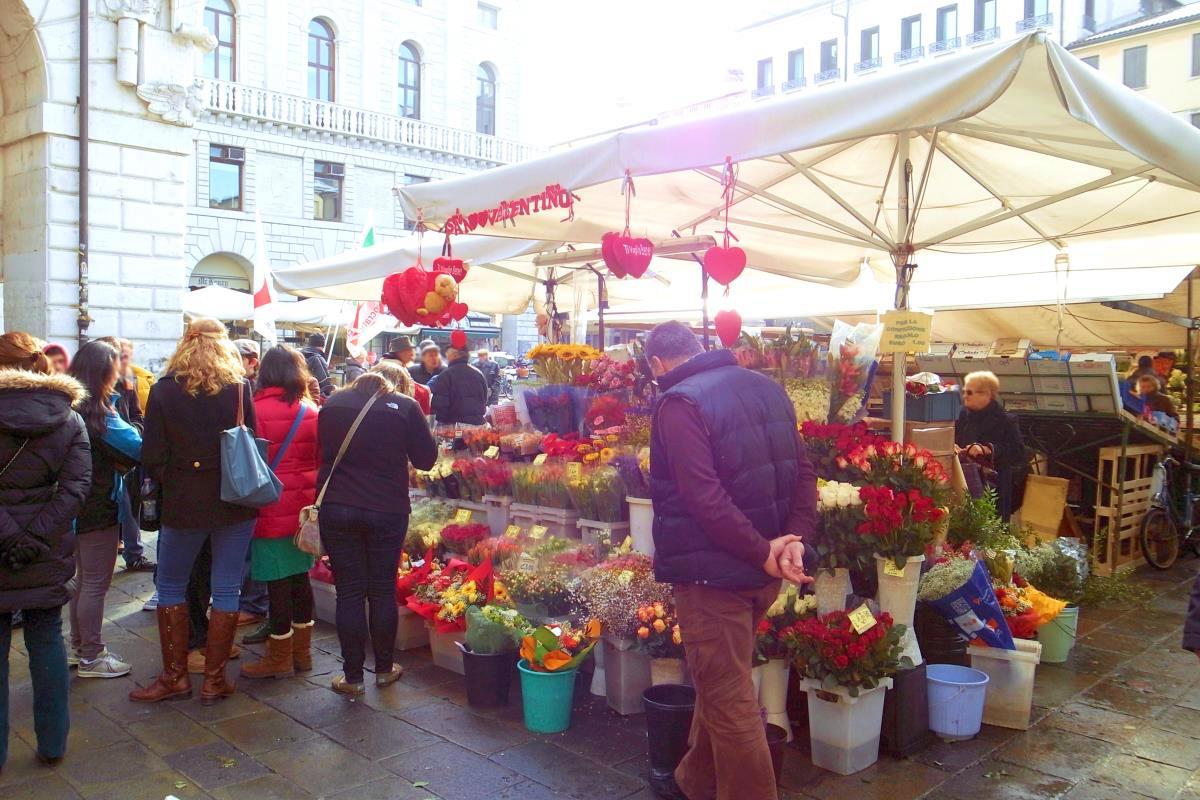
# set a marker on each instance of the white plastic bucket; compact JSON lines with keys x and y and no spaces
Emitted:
{"x":641,"y":524}
{"x":956,"y":695}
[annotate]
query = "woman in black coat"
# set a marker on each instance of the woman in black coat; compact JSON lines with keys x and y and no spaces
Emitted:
{"x":985,"y":429}
{"x":195,"y":401}
{"x":45,"y":471}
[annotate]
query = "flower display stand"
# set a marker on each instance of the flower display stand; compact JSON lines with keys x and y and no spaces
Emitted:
{"x":497,"y":512}
{"x":593,"y":532}
{"x":626,"y":676}
{"x":844,"y":730}
{"x":324,"y":601}
{"x":445,"y":649}
{"x":772,"y":693}
{"x":1009,"y":699}
{"x":411,"y":632}
{"x":905,"y":728}
{"x":559,"y":522}
{"x":669,"y":670}
{"x":479,"y":511}
{"x":831,"y":588}
{"x":641,"y":524}
{"x":898,"y":597}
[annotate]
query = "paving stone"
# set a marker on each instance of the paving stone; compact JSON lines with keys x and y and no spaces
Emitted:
{"x":378,"y":735}
{"x":996,"y":780}
{"x":90,"y":730}
{"x":261,"y":731}
{"x":1104,"y":639}
{"x":1090,"y":790}
{"x":887,"y":779}
{"x":238,"y":705}
{"x":1179,"y":719}
{"x":149,"y":785}
{"x":547,"y":764}
{"x":322,"y":766}
{"x":399,"y":697}
{"x":268,"y":787}
{"x":1117,"y":695}
{"x":957,"y":756}
{"x":1190,"y":699}
{"x":47,"y":787}
{"x":1164,"y":747}
{"x":167,"y":734}
{"x":1055,"y":685}
{"x":1143,"y":777}
{"x":317,"y":708}
{"x":1158,"y":683}
{"x":529,"y":790}
{"x":455,"y":772}
{"x":88,"y":771}
{"x":1056,"y":752}
{"x":464,"y":728}
{"x":21,"y":766}
{"x":1085,"y":660}
{"x":216,"y":764}
{"x":390,"y":788}
{"x":603,"y":735}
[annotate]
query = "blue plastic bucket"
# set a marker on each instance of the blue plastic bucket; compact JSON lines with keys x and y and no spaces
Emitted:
{"x":956,"y":697}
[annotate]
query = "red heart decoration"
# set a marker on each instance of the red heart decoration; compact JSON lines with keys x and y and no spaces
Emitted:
{"x":724,"y":264}
{"x":634,"y":255}
{"x":404,"y":292}
{"x":454,"y":267}
{"x":608,"y":245}
{"x":728,"y":324}
{"x":457,"y":311}
{"x":458,"y":339}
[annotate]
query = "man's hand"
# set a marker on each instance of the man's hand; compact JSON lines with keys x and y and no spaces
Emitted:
{"x":791,"y":562}
{"x":771,"y":565}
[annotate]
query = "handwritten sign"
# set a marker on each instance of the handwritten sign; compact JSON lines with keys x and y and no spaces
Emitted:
{"x":462,"y":516}
{"x":538,"y":532}
{"x":539,"y":459}
{"x":906,"y":332}
{"x":574,"y":470}
{"x":491,"y":452}
{"x":513,"y":531}
{"x":526,"y":563}
{"x":862,"y":619}
{"x":890,"y":568}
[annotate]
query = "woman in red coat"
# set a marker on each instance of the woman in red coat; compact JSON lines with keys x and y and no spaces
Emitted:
{"x":287,"y":418}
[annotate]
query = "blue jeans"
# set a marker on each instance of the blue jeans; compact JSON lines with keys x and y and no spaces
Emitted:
{"x":50,"y":676}
{"x":364,"y":551}
{"x":178,"y":549}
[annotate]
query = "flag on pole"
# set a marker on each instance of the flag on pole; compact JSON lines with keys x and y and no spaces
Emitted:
{"x":264,"y":294}
{"x":367,"y":319}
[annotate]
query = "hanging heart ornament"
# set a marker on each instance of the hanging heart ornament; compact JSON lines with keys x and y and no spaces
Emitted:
{"x":729,"y":327}
{"x":724,"y":264}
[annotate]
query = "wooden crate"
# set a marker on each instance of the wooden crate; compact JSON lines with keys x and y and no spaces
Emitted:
{"x":1122,"y":499}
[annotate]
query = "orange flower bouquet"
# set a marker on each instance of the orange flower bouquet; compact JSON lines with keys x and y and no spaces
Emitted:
{"x":559,"y":647}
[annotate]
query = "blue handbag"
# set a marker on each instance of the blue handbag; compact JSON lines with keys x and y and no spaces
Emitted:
{"x":246,"y":480}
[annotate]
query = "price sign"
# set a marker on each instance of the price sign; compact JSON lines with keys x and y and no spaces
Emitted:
{"x":513,"y":531}
{"x":492,"y":452}
{"x":574,"y":470}
{"x":539,"y":459}
{"x":537,"y":532}
{"x":890,"y":568}
{"x":862,"y":619}
{"x":462,"y":516}
{"x":906,"y":332}
{"x":526,"y":563}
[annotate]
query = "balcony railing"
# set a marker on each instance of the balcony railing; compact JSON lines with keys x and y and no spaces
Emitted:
{"x":911,"y":54}
{"x":985,"y":35}
{"x":1033,"y":23}
{"x":763,"y":91}
{"x":868,"y":64}
{"x":828,"y":75}
{"x":795,"y":83}
{"x":945,"y":45}
{"x":226,"y":98}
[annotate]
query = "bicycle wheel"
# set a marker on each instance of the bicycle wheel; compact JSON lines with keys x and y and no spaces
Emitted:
{"x":1160,"y":539}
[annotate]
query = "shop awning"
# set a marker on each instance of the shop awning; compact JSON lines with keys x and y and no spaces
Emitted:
{"x":229,"y":305}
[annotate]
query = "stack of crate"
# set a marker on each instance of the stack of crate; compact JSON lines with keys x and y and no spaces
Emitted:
{"x":1122,"y":499}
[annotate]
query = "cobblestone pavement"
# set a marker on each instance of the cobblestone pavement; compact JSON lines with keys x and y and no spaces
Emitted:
{"x":1120,"y":720}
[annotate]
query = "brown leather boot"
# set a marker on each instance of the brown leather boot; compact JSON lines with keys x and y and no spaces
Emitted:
{"x":222,"y":625}
{"x":277,"y":663}
{"x":173,"y":683}
{"x":302,"y":646}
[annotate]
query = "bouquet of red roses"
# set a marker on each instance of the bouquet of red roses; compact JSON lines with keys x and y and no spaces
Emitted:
{"x":830,"y":445}
{"x":829,"y":650}
{"x":902,"y":523}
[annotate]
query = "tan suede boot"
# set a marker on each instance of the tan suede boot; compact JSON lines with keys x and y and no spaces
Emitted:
{"x":302,"y":645}
{"x":277,"y":663}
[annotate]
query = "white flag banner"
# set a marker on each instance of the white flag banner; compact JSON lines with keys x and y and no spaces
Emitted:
{"x":264,"y":294}
{"x":367,"y":319}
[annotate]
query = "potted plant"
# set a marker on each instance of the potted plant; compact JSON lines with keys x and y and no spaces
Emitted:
{"x":837,"y":543}
{"x":659,"y":639}
{"x":845,"y":674}
{"x":550,"y":657}
{"x":771,"y":653}
{"x":494,"y":634}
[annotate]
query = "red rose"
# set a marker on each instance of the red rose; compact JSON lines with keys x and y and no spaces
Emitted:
{"x":841,"y":662}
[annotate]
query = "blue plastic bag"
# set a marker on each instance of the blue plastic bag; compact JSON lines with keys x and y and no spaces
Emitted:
{"x":975,"y":612}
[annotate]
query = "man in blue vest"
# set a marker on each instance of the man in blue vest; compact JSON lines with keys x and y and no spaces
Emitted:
{"x":733,"y":494}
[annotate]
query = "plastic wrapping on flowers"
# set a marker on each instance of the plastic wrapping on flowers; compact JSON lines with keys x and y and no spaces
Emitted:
{"x":559,"y":646}
{"x":495,"y":629}
{"x":788,"y":609}
{"x":544,"y":485}
{"x":425,"y":526}
{"x":599,"y":494}
{"x":460,"y":538}
{"x":852,"y":352}
{"x":442,"y":597}
{"x":829,"y":650}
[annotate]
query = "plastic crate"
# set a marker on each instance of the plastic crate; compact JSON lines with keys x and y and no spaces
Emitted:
{"x":938,"y":407}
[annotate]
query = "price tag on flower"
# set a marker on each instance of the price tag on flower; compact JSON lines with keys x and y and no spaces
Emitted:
{"x":526,"y":563}
{"x":574,"y":470}
{"x":890,"y":568}
{"x":539,"y":459}
{"x":862,"y":619}
{"x":492,"y":452}
{"x":513,"y":531}
{"x":538,"y":532}
{"x":462,"y":516}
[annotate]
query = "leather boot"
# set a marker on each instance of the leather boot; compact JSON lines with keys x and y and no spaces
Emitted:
{"x":173,"y":683}
{"x":277,"y":663}
{"x":222,"y":625}
{"x":302,"y":645}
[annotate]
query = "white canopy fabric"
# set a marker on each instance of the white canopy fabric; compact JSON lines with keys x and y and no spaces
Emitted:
{"x":229,"y":305}
{"x":1014,"y":153}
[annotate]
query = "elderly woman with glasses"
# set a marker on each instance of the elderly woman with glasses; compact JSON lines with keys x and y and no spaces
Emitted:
{"x":985,"y":432}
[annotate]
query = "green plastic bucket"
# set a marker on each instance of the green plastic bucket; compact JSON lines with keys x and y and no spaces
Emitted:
{"x":1058,"y":636}
{"x":547,"y":698}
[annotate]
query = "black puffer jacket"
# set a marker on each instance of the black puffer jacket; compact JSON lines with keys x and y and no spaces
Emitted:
{"x":460,"y":394}
{"x":43,"y":487}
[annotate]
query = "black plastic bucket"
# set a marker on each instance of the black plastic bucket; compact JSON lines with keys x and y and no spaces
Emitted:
{"x":776,"y":739}
{"x":669,"y":708}
{"x":489,"y":677}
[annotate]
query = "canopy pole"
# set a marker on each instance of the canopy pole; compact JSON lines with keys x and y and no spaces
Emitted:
{"x":900,"y":261}
{"x":1190,"y":394}
{"x":703,"y":295}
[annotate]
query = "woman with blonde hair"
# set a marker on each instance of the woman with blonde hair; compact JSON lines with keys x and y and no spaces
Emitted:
{"x":402,"y":379}
{"x":987,"y":433}
{"x":203,"y":393}
{"x":45,"y":471}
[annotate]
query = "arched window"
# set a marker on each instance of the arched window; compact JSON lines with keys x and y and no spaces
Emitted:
{"x":219,"y":19}
{"x":321,"y":59}
{"x":485,"y":101}
{"x":408,"y":87}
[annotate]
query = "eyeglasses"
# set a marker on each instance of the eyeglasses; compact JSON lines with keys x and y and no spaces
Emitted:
{"x":969,"y":392}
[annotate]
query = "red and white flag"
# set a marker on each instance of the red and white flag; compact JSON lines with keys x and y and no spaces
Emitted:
{"x":264,"y":292}
{"x":367,"y":319}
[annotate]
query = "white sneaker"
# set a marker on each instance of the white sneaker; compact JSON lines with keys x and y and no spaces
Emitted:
{"x":72,"y":658}
{"x":106,"y":666}
{"x":152,"y":603}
